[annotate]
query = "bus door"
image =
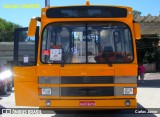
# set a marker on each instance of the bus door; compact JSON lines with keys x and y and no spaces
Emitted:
{"x":25,"y":61}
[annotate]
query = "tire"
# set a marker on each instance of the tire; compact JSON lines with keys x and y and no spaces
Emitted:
{"x":9,"y":87}
{"x":4,"y":89}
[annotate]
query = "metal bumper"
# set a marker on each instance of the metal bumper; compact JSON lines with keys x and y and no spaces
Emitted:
{"x":98,"y":104}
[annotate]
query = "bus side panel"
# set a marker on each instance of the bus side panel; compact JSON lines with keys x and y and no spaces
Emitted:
{"x":26,"y":73}
{"x":26,"y":93}
{"x":25,"y":82}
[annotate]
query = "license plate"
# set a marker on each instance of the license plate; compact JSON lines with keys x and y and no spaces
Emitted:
{"x":87,"y":103}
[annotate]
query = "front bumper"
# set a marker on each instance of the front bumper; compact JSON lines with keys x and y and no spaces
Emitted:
{"x":99,"y":104}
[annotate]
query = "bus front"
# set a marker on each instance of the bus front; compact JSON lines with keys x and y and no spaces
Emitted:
{"x":86,"y":59}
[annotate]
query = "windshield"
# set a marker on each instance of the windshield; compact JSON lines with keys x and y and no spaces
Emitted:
{"x":92,"y":42}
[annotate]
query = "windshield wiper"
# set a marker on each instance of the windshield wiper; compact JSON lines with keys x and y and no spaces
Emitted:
{"x":99,"y":47}
{"x":104,"y":55}
{"x":106,"y":59}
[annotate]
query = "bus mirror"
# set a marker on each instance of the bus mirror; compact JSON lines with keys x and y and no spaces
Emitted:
{"x":137,"y":31}
{"x":32,"y":27}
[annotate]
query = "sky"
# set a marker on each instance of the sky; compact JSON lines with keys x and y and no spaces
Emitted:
{"x":20,"y":11}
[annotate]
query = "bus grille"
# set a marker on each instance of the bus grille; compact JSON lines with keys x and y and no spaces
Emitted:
{"x":87,"y":80}
{"x":87,"y":91}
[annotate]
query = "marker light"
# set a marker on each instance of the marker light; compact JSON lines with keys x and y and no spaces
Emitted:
{"x":127,"y":103}
{"x":48,"y":103}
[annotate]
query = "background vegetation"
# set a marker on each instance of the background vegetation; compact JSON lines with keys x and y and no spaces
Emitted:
{"x":6,"y":30}
{"x":147,"y":48}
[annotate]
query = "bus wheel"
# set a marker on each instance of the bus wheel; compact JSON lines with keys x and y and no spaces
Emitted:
{"x":10,"y":86}
{"x":4,"y":89}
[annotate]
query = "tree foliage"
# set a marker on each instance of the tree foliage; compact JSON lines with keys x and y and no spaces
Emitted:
{"x":147,"y":48}
{"x":6,"y":30}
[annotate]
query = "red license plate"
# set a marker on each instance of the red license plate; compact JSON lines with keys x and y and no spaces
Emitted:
{"x":87,"y":103}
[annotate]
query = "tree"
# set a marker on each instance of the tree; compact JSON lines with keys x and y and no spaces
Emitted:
{"x":6,"y":30}
{"x":147,"y":48}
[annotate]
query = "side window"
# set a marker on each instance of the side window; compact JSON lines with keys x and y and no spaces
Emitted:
{"x":25,"y":48}
{"x":128,"y":43}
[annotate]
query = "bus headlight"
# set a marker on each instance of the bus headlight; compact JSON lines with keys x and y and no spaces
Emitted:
{"x":46,"y":91}
{"x":128,"y":91}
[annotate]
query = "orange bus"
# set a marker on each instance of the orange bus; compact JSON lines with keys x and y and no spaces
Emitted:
{"x":81,"y":57}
